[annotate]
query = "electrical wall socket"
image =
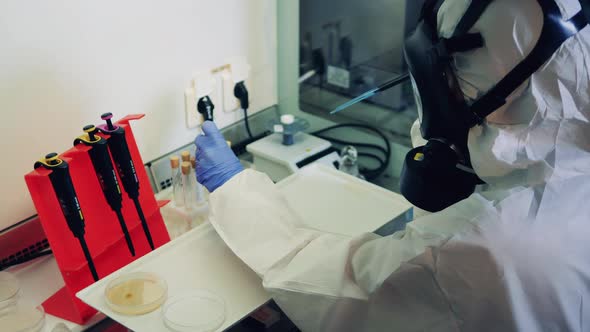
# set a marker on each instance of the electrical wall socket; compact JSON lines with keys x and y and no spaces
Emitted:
{"x":193,"y":118}
{"x":230,"y":102}
{"x":239,"y":67}
{"x":218,"y":84}
{"x":216,"y":94}
{"x":238,"y":71}
{"x":203,"y":84}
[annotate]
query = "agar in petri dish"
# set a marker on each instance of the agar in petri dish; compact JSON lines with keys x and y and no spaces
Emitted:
{"x":22,"y":319}
{"x":194,"y":311}
{"x":9,"y":290}
{"x":136,"y":293}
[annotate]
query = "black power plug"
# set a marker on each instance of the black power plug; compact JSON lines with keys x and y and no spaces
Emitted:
{"x":205,"y":107}
{"x":241,"y":93}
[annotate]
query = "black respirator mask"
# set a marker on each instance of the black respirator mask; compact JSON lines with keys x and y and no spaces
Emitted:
{"x":439,"y":174}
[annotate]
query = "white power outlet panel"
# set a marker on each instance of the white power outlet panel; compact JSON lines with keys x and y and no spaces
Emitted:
{"x":230,"y":102}
{"x":238,"y":71}
{"x":218,"y":83}
{"x":203,"y":84}
{"x":217,"y":95}
{"x":193,"y":118}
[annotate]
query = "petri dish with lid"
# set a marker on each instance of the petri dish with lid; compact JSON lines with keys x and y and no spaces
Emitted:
{"x":136,"y":293}
{"x":19,"y":318}
{"x":9,"y":290}
{"x":194,"y":311}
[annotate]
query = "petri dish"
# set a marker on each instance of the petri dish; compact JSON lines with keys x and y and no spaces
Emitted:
{"x":9,"y":289}
{"x":136,"y":293}
{"x":194,"y":311}
{"x":22,"y":319}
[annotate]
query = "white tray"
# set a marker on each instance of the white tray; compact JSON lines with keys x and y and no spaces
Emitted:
{"x":196,"y":260}
{"x":339,"y":203}
{"x":332,"y":201}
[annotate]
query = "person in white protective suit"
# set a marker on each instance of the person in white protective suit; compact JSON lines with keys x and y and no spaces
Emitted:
{"x":515,"y":255}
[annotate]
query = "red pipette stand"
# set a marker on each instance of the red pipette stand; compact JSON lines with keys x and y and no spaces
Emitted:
{"x":103,"y":233}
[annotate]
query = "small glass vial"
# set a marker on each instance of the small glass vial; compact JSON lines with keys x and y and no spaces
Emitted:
{"x":189,"y":192}
{"x":177,"y":191}
{"x":349,"y":162}
{"x":200,"y":194}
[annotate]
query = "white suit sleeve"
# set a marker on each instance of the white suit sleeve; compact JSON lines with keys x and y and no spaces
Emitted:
{"x":329,"y":282}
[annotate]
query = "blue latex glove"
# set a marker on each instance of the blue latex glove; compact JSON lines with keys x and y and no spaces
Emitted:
{"x":216,"y":162}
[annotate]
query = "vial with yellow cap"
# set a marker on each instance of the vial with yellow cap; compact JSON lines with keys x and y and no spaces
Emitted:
{"x":185,"y":156}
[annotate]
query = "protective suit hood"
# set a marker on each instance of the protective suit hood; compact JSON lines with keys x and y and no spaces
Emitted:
{"x":543,"y":129}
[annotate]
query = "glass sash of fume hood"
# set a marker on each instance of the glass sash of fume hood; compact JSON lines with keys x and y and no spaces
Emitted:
{"x":348,"y":47}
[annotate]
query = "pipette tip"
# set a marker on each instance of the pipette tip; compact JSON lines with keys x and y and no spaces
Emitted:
{"x":88,"y":258}
{"x":125,"y":232}
{"x":144,"y":223}
{"x":386,"y":86}
{"x":354,"y":101}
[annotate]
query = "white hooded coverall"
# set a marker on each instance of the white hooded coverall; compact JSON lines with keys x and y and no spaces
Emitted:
{"x":514,"y":256}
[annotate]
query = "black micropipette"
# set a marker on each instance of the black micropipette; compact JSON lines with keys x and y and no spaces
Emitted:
{"x":122,"y":157}
{"x":385,"y":86}
{"x":66,"y":195}
{"x":101,"y":160}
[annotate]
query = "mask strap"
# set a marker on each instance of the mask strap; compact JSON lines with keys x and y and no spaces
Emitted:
{"x":462,"y":43}
{"x":555,"y":32}
{"x":430,"y":12}
{"x":473,"y":13}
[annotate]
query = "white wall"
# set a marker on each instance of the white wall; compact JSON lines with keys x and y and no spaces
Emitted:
{"x":64,"y":62}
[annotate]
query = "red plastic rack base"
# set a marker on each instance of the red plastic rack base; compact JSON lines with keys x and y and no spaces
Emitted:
{"x":103,"y":233}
